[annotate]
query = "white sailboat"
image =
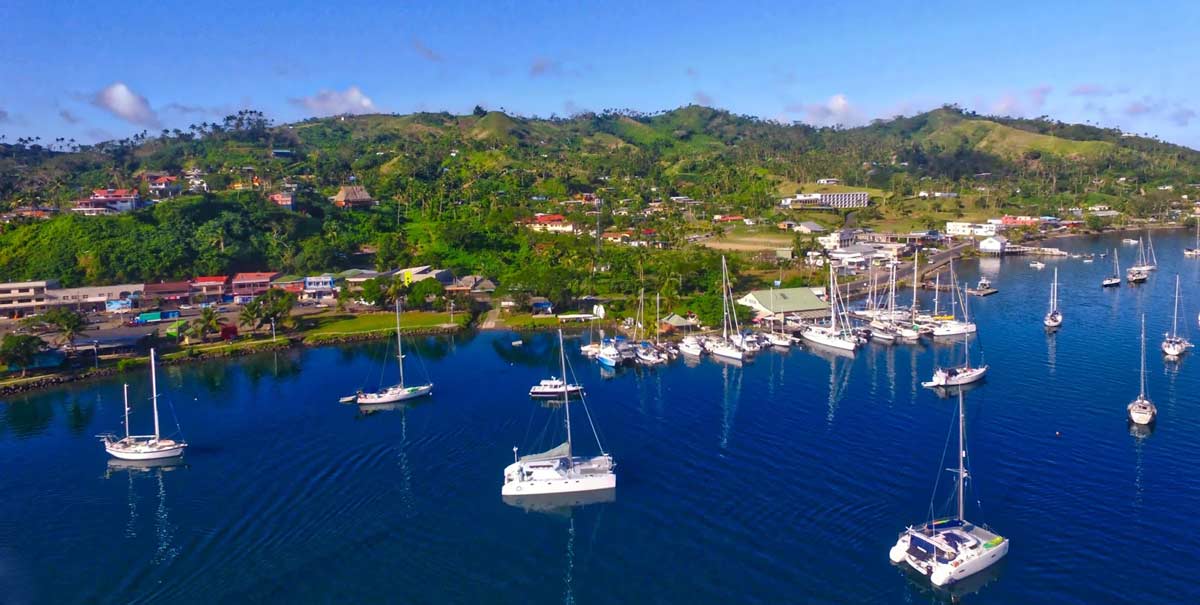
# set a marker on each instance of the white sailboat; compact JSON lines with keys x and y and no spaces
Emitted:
{"x":958,"y":376}
{"x":143,"y":447}
{"x":954,"y":326}
{"x":1145,"y":263}
{"x":1173,"y":344}
{"x":834,"y":335}
{"x":1142,"y":410}
{"x":400,"y":391}
{"x":725,"y":347}
{"x":1054,"y":316}
{"x":774,"y":338}
{"x":1195,"y":251}
{"x":888,"y":324}
{"x":1115,"y":278}
{"x":558,"y":470}
{"x":950,"y":550}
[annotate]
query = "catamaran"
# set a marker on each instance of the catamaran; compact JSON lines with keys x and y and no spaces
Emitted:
{"x":950,"y":550}
{"x":399,"y":391}
{"x":1054,"y":316}
{"x":1194,"y":252}
{"x":558,"y":470}
{"x":143,"y":447}
{"x":1175,"y":345}
{"x":1115,"y":278}
{"x":834,"y":335}
{"x":1142,"y":410}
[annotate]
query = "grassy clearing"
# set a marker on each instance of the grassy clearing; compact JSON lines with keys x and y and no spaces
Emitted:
{"x":525,"y":321}
{"x":323,"y":327}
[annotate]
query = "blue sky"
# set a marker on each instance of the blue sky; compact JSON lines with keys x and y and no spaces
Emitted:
{"x":96,"y":70}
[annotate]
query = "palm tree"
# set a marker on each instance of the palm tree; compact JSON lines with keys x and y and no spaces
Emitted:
{"x":208,"y":321}
{"x":251,"y":315}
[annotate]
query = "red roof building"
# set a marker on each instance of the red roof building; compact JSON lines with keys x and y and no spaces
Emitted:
{"x":210,"y":288}
{"x":248,"y":285}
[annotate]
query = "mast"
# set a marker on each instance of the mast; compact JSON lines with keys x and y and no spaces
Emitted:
{"x":962,"y":454}
{"x":1142,"y":389}
{"x":1152,"y":258}
{"x":562,"y":358}
{"x":153,"y":395}
{"x":966,"y":341}
{"x":724,"y":300}
{"x":937,"y":289}
{"x":399,"y":346}
{"x":1117,"y":261}
{"x":916,"y":263}
{"x":1054,"y":292}
{"x":127,"y":410}
{"x":832,"y":299}
{"x":1175,"y":318}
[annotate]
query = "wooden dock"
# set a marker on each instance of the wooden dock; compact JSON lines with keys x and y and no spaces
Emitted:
{"x":981,"y":291}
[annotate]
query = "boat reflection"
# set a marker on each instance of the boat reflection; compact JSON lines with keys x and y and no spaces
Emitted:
{"x":952,"y":391}
{"x":165,"y":551}
{"x":955,"y":592}
{"x":368,"y":409}
{"x":1140,"y":431}
{"x":560,"y":504}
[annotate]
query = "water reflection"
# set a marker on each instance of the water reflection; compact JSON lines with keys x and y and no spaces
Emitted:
{"x":922,"y":589}
{"x":164,"y":531}
{"x":1051,"y":348}
{"x":560,"y":504}
{"x":731,"y":378}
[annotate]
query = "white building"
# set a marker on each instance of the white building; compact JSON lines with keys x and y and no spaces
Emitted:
{"x":994,"y":245}
{"x":963,"y":229}
{"x":823,"y":201}
{"x":841,"y":238}
{"x":827,"y":181}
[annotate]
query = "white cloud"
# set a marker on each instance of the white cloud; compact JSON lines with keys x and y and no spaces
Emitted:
{"x":836,"y":110}
{"x":332,"y":102}
{"x":121,"y":101}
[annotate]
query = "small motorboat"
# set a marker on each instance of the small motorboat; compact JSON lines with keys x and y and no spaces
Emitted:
{"x":554,"y":387}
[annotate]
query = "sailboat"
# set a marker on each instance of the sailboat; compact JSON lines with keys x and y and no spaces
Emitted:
{"x":646,"y":354}
{"x":1194,"y":252}
{"x":725,"y":347}
{"x":558,"y":470}
{"x":1054,"y":316}
{"x":950,"y":550}
{"x":1141,"y":410}
{"x":965,"y":374}
{"x":1175,"y":345}
{"x":397,"y":392}
{"x":1115,"y":278}
{"x":888,"y":324}
{"x":1141,"y":270}
{"x":832,"y":335}
{"x":774,"y":338}
{"x":953,"y":326}
{"x":143,"y":447}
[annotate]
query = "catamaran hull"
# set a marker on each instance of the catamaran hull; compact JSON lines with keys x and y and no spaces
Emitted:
{"x":173,"y":452}
{"x":560,"y":486}
{"x":945,"y":574}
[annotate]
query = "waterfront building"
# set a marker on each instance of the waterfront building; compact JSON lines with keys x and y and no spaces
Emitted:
{"x":246,"y":286}
{"x":18,"y":299}
{"x":799,"y":303}
{"x":212,"y":288}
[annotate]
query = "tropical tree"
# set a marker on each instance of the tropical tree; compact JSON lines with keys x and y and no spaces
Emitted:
{"x":209,"y":322}
{"x":68,"y":323}
{"x":251,"y":315}
{"x":424,"y":292}
{"x":276,"y":307}
{"x":20,"y":350}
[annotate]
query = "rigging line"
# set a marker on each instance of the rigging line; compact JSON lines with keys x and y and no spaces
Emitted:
{"x":941,"y":464}
{"x":583,"y":400}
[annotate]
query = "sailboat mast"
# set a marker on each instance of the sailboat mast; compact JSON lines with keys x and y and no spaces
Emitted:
{"x":127,"y":409}
{"x":399,"y":345}
{"x":916,"y":263}
{"x":962,"y":455}
{"x":562,"y":359}
{"x":153,"y":395}
{"x":937,"y":290}
{"x":832,"y":299}
{"x":1142,"y":388}
{"x":966,"y":338}
{"x":724,"y":300}
{"x":1054,"y":292}
{"x":1175,"y":318}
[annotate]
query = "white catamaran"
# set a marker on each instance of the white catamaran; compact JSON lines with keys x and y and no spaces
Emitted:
{"x":558,"y":470}
{"x":1054,"y":316}
{"x":1142,"y":410}
{"x":950,"y":550}
{"x":396,"y":392}
{"x":1173,"y":344}
{"x":143,"y":447}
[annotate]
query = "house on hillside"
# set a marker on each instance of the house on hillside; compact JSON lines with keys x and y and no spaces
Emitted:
{"x":838,"y":239}
{"x":283,"y":200}
{"x":827,"y":181}
{"x":109,"y":201}
{"x":549,"y":223}
{"x":808,"y":227}
{"x":352,"y":196}
{"x":164,"y":186}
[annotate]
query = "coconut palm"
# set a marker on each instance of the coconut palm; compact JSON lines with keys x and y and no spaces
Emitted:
{"x":208,"y":322}
{"x":251,"y":315}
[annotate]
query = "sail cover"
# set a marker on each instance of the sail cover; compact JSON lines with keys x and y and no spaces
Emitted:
{"x":562,"y":450}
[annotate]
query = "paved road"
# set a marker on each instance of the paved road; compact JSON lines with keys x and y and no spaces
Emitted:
{"x":859,"y":286}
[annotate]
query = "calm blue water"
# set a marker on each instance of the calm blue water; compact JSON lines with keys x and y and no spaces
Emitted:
{"x":785,"y":480}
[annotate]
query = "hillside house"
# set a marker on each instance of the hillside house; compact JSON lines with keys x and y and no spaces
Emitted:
{"x":550,"y":223}
{"x":828,"y":181}
{"x":353,"y":196}
{"x":283,"y":200}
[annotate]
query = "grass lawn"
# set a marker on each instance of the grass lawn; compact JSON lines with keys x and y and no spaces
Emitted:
{"x":322,"y":326}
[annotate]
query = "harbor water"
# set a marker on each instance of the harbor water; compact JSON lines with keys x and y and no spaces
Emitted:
{"x":783,"y":480}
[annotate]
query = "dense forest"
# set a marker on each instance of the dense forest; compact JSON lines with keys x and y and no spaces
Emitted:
{"x":452,"y":187}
